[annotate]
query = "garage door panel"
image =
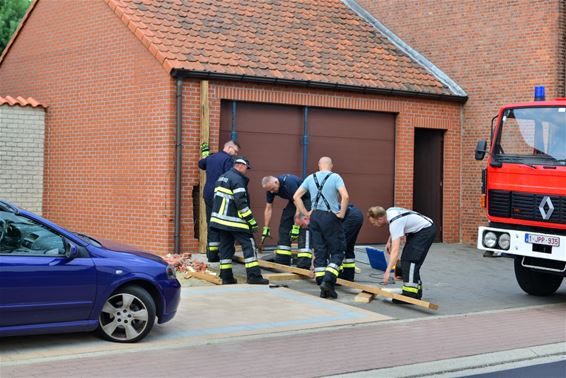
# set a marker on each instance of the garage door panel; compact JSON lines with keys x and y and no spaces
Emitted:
{"x":366,"y":191}
{"x":270,"y":137}
{"x":361,"y":145}
{"x":348,"y":123}
{"x":269,"y":118}
{"x":354,"y":155}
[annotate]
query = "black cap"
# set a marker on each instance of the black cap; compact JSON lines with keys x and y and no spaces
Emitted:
{"x":242,"y":160}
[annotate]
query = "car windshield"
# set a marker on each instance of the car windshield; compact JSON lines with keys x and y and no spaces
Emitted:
{"x":534,"y":135}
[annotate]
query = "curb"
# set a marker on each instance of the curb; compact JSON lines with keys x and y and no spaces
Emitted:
{"x":478,"y":364}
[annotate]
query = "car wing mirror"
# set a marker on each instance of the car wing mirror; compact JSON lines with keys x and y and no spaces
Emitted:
{"x":481,"y":149}
{"x":71,"y":250}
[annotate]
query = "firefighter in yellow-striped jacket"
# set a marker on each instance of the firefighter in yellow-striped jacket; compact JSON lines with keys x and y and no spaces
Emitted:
{"x":233,"y":219}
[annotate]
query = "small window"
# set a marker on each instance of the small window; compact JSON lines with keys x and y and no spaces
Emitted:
{"x":20,"y":236}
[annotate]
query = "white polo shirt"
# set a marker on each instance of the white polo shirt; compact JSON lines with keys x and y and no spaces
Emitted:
{"x":407,"y":224}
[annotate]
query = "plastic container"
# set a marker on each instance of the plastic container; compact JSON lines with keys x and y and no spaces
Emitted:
{"x":377,"y":258}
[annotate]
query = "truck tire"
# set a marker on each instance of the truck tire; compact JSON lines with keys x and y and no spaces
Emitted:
{"x":536,"y":283}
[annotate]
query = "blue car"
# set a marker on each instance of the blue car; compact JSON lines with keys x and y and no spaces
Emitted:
{"x":54,"y":281}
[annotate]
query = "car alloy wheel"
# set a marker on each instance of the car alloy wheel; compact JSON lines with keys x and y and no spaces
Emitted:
{"x":127,"y":316}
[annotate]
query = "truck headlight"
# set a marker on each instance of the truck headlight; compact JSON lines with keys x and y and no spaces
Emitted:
{"x":489,"y":239}
{"x":504,"y":241}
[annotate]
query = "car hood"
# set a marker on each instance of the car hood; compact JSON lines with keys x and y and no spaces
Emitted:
{"x":126,"y":248}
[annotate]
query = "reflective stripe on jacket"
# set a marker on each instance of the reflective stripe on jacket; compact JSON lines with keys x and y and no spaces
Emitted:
{"x":231,"y":208}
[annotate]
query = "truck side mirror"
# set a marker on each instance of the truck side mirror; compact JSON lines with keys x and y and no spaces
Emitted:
{"x":481,"y":149}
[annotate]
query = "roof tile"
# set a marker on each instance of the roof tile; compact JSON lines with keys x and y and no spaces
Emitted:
{"x":20,"y":101}
{"x":316,"y":40}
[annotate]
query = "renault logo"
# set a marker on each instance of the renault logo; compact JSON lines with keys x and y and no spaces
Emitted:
{"x":546,"y":202}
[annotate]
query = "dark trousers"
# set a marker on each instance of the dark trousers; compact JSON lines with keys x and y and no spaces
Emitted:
{"x":329,"y":245}
{"x":414,"y":253}
{"x":283,"y":254}
{"x":227,"y":249}
{"x":212,"y":240}
{"x":352,"y":224}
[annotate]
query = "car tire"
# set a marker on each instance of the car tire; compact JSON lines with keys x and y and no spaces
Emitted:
{"x":127,"y":315}
{"x":536,"y":283}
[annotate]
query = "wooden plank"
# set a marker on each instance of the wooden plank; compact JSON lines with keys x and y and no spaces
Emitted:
{"x":204,"y":137}
{"x":272,"y":265}
{"x":273,"y":277}
{"x":386,"y":294}
{"x":204,"y":276}
{"x":364,"y":297}
{"x":353,"y":285}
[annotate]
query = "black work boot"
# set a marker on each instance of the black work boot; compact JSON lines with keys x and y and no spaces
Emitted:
{"x":227,"y":277}
{"x":257,"y":280}
{"x":327,"y":290}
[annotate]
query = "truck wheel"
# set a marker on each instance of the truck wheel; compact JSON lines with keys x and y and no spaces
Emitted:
{"x":536,"y":283}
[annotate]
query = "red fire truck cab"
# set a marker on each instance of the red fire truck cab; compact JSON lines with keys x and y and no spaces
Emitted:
{"x":524,"y":191}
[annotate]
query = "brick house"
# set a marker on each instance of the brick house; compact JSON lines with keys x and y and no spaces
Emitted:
{"x":497,"y":51}
{"x":22,"y":130}
{"x":292,"y":81}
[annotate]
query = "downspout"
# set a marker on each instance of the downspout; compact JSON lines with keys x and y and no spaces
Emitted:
{"x":234,"y":133}
{"x":305,"y":140}
{"x":178,"y":161}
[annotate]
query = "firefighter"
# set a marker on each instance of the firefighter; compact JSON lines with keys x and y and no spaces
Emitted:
{"x":329,"y":200}
{"x":233,"y":221}
{"x":352,"y":224}
{"x":285,"y":187}
{"x":215,"y":165}
{"x":420,"y":232}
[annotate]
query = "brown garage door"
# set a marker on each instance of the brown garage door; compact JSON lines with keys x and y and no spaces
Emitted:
{"x":360,"y":143}
{"x":270,"y":137}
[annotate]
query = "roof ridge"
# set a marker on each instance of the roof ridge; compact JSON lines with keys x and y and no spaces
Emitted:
{"x":139,"y":34}
{"x":405,"y":48}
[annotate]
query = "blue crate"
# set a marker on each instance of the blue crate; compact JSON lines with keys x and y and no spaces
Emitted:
{"x":377,"y":258}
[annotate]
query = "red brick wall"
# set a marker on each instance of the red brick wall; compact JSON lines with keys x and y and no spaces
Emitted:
{"x":496,"y":50}
{"x":110,"y":137}
{"x":110,"y":123}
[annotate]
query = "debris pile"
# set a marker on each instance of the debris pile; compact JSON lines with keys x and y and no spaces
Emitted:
{"x":183,"y":263}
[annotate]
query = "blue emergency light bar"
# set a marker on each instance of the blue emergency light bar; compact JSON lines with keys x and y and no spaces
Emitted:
{"x":539,"y":93}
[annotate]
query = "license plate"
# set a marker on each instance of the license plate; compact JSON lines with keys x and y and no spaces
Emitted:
{"x":542,"y":239}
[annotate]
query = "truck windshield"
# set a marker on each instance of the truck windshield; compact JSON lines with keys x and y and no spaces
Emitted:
{"x":534,"y":135}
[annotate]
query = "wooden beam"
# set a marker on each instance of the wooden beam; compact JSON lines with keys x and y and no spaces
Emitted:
{"x":204,"y":276}
{"x":353,"y":285}
{"x":274,"y":277}
{"x":204,"y":138}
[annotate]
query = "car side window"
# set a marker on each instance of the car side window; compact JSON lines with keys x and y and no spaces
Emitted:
{"x":20,"y":236}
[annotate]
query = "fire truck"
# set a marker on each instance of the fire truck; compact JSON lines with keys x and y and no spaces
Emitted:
{"x":524,"y":191}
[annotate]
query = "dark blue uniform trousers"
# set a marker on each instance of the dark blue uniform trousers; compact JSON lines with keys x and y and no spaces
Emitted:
{"x":212,"y":240}
{"x":413,"y":256}
{"x":283,"y":254}
{"x":352,"y":224}
{"x":227,"y":249}
{"x":329,"y":245}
